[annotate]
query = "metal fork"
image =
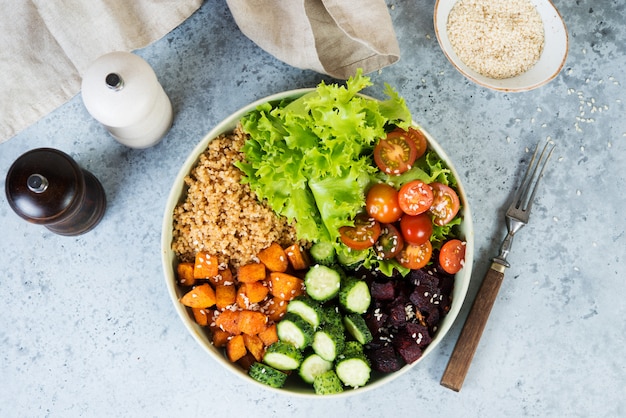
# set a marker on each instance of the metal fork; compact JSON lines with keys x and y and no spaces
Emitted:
{"x":517,"y":215}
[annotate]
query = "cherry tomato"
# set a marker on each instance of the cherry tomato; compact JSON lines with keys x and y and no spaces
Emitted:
{"x":415,"y":197}
{"x":395,"y":153}
{"x":416,"y":229}
{"x":362,"y":235}
{"x":445,"y":204}
{"x":390,"y":242}
{"x":381,"y":203}
{"x":420,"y":141}
{"x":452,"y":256}
{"x":415,"y":257}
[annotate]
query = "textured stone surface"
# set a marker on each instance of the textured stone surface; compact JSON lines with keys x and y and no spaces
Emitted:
{"x":87,"y":327}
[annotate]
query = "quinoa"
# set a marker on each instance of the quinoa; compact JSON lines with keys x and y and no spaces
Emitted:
{"x":496,"y":38}
{"x":221,"y":215}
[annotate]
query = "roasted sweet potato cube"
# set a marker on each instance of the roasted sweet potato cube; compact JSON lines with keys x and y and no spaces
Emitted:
{"x":285,"y":286}
{"x":220,"y":337}
{"x":184,"y":274}
{"x":222,"y":277}
{"x":225,"y":295}
{"x":274,"y":258}
{"x":276,"y":308}
{"x":254,"y":345}
{"x":298,"y":259}
{"x":229,"y":321}
{"x":235,"y":348}
{"x":202,"y":296}
{"x":252,"y":272}
{"x":205,"y":266}
{"x":202,"y":316}
{"x":269,"y":336}
{"x":255,"y":292}
{"x":252,"y":322}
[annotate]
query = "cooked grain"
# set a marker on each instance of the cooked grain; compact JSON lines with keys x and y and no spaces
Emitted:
{"x":496,"y":38}
{"x":221,"y":215}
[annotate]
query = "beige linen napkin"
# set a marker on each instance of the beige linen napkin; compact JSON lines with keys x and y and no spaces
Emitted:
{"x":333,"y":37}
{"x":46,"y":45}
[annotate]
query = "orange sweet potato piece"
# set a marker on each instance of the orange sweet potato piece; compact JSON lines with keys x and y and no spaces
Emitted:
{"x":220,"y":337}
{"x":202,"y":296}
{"x":254,"y":345}
{"x":184,"y":273}
{"x":252,"y":322}
{"x":252,"y":272}
{"x":255,"y":292}
{"x":269,"y":336}
{"x":276,"y":308}
{"x":222,"y":277}
{"x":298,"y":259}
{"x":274,"y":258}
{"x":205,"y":266}
{"x":229,"y":321}
{"x":202,"y":316}
{"x":235,"y":348}
{"x":285,"y":286}
{"x":225,"y":295}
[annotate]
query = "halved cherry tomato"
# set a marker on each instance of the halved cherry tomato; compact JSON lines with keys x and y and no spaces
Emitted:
{"x":395,"y":153}
{"x":362,"y":235}
{"x":416,"y":229}
{"x":421,"y":144}
{"x":452,"y":256}
{"x":415,"y":197}
{"x":381,"y":203}
{"x":445,"y":204}
{"x":390,"y":242}
{"x":415,"y":257}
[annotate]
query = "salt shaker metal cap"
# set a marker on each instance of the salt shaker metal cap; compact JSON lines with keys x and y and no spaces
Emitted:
{"x":45,"y":186}
{"x":122,"y":92}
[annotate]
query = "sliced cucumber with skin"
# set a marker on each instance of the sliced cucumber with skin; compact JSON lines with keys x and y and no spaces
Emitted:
{"x":312,"y":366}
{"x":356,"y":326}
{"x":355,"y":295}
{"x":267,"y":375}
{"x":295,"y":330}
{"x":322,"y":283}
{"x":329,"y":342}
{"x":308,"y":309}
{"x":327,"y":383}
{"x":353,"y":369}
{"x":323,"y":252}
{"x":283,"y":356}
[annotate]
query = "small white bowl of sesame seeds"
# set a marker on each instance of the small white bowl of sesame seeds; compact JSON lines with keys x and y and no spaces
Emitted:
{"x":504,"y":45}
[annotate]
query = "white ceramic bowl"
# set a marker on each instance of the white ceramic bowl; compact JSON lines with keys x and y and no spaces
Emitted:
{"x":547,"y":68}
{"x":178,"y":193}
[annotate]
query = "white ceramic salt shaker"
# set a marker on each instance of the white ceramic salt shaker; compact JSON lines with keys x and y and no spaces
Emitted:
{"x":121,"y":91}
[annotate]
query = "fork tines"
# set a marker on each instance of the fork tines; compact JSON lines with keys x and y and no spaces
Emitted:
{"x":526,"y":192}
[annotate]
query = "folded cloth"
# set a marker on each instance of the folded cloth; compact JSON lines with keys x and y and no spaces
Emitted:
{"x":45,"y":46}
{"x":333,"y":37}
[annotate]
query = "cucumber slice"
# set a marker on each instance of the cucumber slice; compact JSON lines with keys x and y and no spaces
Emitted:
{"x":307,"y":308}
{"x":295,"y":330}
{"x":356,"y":326}
{"x":283,"y":356}
{"x":267,"y":375}
{"x":322,"y":282}
{"x":353,"y":369}
{"x":351,"y":259}
{"x":323,"y":253}
{"x":312,"y":366}
{"x":327,"y":383}
{"x":354,"y":295}
{"x":328,"y":342}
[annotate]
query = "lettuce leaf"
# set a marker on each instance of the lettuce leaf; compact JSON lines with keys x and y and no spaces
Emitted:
{"x":311,"y":158}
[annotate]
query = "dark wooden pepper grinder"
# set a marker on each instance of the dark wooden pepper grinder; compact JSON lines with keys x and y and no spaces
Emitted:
{"x":45,"y":186}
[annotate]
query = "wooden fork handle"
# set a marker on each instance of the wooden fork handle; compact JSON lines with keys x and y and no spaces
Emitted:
{"x":465,"y":347}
